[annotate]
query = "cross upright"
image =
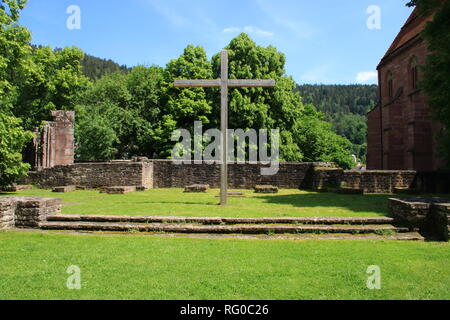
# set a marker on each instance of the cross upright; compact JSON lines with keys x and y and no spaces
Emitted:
{"x":224,"y":83}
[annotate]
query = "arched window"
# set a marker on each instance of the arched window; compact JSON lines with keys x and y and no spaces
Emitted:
{"x":390,"y":85}
{"x":414,"y":73}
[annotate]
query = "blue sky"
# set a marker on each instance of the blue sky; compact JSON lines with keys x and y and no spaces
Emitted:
{"x":324,"y":41}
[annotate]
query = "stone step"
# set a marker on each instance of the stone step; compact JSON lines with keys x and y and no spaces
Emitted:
{"x":220,"y":221}
{"x":407,"y":236}
{"x":216,"y":229}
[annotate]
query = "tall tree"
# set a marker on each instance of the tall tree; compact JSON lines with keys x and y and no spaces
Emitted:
{"x":280,"y":108}
{"x":12,"y":140}
{"x":53,"y":80}
{"x":127,"y":104}
{"x":183,"y":106}
{"x":14,"y":50}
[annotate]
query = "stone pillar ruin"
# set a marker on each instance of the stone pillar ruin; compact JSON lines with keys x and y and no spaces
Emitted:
{"x":54,"y":143}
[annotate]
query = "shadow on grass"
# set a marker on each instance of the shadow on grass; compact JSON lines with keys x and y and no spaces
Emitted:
{"x":10,"y":194}
{"x":357,"y":203}
{"x":178,"y":202}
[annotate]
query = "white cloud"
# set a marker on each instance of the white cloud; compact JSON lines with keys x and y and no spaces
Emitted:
{"x":231,"y":30}
{"x":258,"y":32}
{"x":366,"y":76}
{"x":251,"y":30}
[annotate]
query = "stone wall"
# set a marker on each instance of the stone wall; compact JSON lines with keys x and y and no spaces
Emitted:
{"x":147,"y":174}
{"x":7,"y":209}
{"x":323,"y":178}
{"x":167,"y":174}
{"x":291,"y":175}
{"x":26,"y":212}
{"x":430,"y":216}
{"x":374,"y":181}
{"x":95,"y":175}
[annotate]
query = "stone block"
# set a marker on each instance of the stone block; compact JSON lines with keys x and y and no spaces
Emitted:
{"x":410,"y":213}
{"x":196,"y":188}
{"x":17,"y":188}
{"x":266,"y":189}
{"x":438,"y":221}
{"x":429,"y":215}
{"x":118,"y":190}
{"x":64,"y":189}
{"x":26,"y":212}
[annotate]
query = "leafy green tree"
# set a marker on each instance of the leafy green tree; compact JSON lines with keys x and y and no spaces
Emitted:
{"x":260,"y":108}
{"x":354,"y":128}
{"x":130,"y":103}
{"x":95,"y":135}
{"x":318,"y":142}
{"x":12,"y":140}
{"x":144,"y":85}
{"x":14,"y":50}
{"x":184,"y":106}
{"x":278,"y":108}
{"x":53,"y":80}
{"x":436,"y":72}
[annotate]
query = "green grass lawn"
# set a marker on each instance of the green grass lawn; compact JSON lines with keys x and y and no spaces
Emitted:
{"x":33,"y":266}
{"x":173,"y":202}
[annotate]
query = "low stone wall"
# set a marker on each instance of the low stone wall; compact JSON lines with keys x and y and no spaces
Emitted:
{"x":7,"y":209}
{"x":430,"y":216}
{"x":291,"y":175}
{"x":372,"y":181}
{"x":323,"y":178}
{"x":26,"y":212}
{"x":95,"y":175}
{"x":375,"y":181}
{"x":147,"y":174}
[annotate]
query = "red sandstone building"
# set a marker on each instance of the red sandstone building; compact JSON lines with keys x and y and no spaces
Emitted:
{"x":401,"y":132}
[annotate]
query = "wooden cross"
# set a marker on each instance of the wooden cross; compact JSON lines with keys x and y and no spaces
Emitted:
{"x":224,"y":83}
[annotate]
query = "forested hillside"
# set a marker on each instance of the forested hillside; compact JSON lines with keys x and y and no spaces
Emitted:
{"x":346,"y":107}
{"x":94,"y":68}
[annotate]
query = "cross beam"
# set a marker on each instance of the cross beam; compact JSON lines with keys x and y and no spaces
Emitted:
{"x":224,"y":83}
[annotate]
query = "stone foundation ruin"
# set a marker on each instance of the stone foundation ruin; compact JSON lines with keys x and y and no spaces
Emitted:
{"x":149,"y":174}
{"x":26,"y":212}
{"x":52,"y":160}
{"x":54,"y":143}
{"x":430,"y":216}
